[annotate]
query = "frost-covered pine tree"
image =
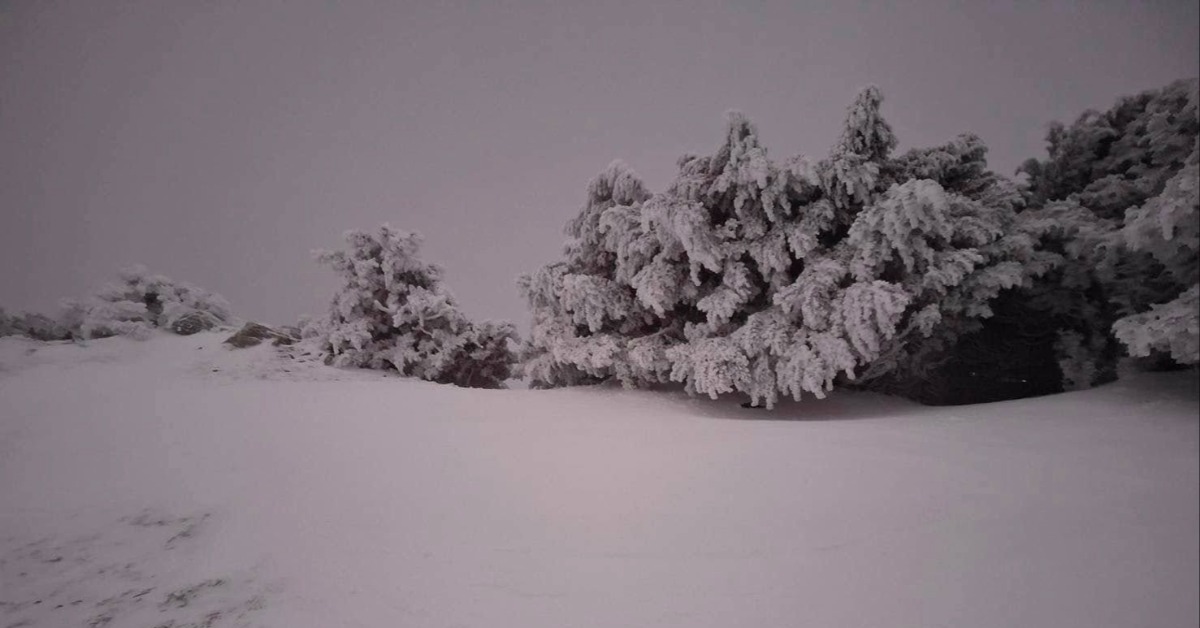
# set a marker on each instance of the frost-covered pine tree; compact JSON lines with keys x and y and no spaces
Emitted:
{"x":141,"y":302}
{"x":1116,"y":159}
{"x":588,"y":324}
{"x":1167,"y":227}
{"x":392,"y":312}
{"x":960,"y":346}
{"x":855,"y":171}
{"x":1116,"y":200}
{"x":765,"y":279}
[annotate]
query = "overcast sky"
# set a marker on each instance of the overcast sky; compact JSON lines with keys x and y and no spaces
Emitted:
{"x":220,"y":142}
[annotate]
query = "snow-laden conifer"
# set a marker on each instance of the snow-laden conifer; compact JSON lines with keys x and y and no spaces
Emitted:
{"x":1116,"y":200}
{"x":1168,"y":227}
{"x":586,"y":312}
{"x":392,"y":312}
{"x":750,"y":276}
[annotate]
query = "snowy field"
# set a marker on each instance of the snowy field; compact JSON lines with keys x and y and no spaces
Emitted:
{"x":175,"y":483}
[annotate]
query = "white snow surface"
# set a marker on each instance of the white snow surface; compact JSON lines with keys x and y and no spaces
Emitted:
{"x":178,"y":483}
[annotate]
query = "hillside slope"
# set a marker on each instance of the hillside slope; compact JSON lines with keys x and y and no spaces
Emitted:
{"x":177,"y":483}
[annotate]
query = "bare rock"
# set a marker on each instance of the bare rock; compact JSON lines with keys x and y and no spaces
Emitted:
{"x":193,"y":322}
{"x":252,"y":334}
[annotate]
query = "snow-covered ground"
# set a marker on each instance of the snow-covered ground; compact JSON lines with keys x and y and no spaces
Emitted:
{"x":176,"y":483}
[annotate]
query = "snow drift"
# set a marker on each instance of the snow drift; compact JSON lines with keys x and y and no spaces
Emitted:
{"x":178,"y":483}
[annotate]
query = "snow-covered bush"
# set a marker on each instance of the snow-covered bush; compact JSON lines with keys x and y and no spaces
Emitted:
{"x":392,"y":312}
{"x":142,"y":302}
{"x":32,"y":325}
{"x":1117,"y":201}
{"x":762,"y":278}
{"x":42,"y":327}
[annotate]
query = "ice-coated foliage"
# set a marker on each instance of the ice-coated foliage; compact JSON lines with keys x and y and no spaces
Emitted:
{"x":1172,"y":327}
{"x":32,"y":325}
{"x":392,"y":312}
{"x":1119,"y":158}
{"x":141,"y":302}
{"x":1117,"y":202}
{"x":1077,"y":359}
{"x":752,"y":276}
{"x":1168,"y":227}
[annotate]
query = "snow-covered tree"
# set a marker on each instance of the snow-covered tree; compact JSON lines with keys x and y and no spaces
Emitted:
{"x":766,"y":279}
{"x":141,"y":302}
{"x":1116,"y":200}
{"x":585,"y":308}
{"x":1116,"y":159}
{"x":1168,"y":227}
{"x":1171,"y":327}
{"x":392,"y":312}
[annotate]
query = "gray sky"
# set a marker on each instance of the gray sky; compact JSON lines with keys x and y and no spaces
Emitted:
{"x":219,"y":142}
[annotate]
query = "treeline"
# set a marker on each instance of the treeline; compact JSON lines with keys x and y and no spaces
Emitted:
{"x":922,"y":274}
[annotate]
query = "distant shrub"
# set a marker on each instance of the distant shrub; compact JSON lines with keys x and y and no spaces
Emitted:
{"x":142,"y":302}
{"x":8,"y":324}
{"x":32,"y":325}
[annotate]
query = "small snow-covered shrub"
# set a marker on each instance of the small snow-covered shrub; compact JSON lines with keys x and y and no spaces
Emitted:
{"x":142,"y":302}
{"x":43,"y":327}
{"x":392,"y":312}
{"x":32,"y":325}
{"x":9,"y":324}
